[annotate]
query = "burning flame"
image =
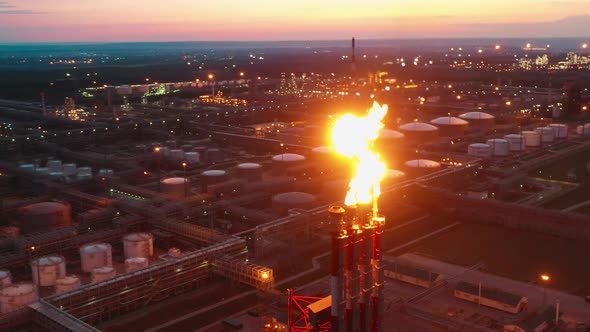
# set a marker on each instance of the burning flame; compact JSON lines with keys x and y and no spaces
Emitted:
{"x":353,"y":137}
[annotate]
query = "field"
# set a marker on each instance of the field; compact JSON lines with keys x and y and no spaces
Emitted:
{"x":515,"y":254}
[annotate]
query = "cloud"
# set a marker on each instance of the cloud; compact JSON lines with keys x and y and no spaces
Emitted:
{"x":20,"y":12}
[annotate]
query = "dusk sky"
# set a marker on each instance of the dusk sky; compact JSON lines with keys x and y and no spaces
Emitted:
{"x":235,"y":20}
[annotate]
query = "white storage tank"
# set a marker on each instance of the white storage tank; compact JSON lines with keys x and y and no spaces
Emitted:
{"x":42,"y":216}
{"x":46,"y":270}
{"x":176,"y":154}
{"x":282,"y":162}
{"x":67,"y":284}
{"x":192,"y":157}
{"x":17,"y":296}
{"x":135,"y":263}
{"x":282,"y":203}
{"x":5,"y":278}
{"x":515,"y":142}
{"x":138,"y":245}
{"x":95,"y":255}
{"x":174,"y":186}
{"x":250,"y":171}
{"x":54,"y":166}
{"x":84,"y":173}
{"x":42,"y":170}
{"x":392,"y":175}
{"x":479,"y":120}
{"x":419,"y":132}
{"x":210,"y":177}
{"x":479,"y":150}
{"x":419,"y":167}
{"x":26,"y":167}
{"x":102,"y":273}
{"x":531,"y":138}
{"x":106,"y":172}
{"x":499,"y":146}
{"x":546,"y":134}
{"x":70,"y":169}
{"x":559,"y":130}
{"x":389,"y":135}
{"x":450,"y":126}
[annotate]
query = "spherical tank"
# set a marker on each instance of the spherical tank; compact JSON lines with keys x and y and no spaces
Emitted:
{"x":135,"y":263}
{"x":210,"y":177}
{"x":531,"y":138}
{"x":17,"y":296}
{"x":67,"y":283}
{"x":479,"y":150}
{"x":174,"y":186}
{"x":96,"y":255}
{"x":479,"y":120}
{"x":559,"y":130}
{"x":499,"y":146}
{"x":282,"y":203}
{"x":102,"y":273}
{"x":5,"y":278}
{"x":250,"y":171}
{"x":547,"y":135}
{"x":138,"y":245}
{"x":418,"y":132}
{"x":419,"y":167}
{"x":42,"y":216}
{"x":46,"y":270}
{"x":450,"y":126}
{"x":515,"y":142}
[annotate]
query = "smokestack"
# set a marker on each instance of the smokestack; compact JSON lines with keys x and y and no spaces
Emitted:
{"x":377,"y":272}
{"x":43,"y":104}
{"x":353,"y":63}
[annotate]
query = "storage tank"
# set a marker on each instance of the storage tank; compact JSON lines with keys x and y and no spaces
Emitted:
{"x":210,"y":177}
{"x":138,"y":245}
{"x":250,"y":171}
{"x":546,"y":134}
{"x":84,"y":173}
{"x":479,"y":150}
{"x":282,"y":203}
{"x":214,"y":155}
{"x":479,"y":120}
{"x":419,"y":167}
{"x":176,"y":187}
{"x":583,"y":130}
{"x":102,"y":273}
{"x":165,"y":151}
{"x":531,"y":138}
{"x":67,"y":284}
{"x":9,"y":232}
{"x":419,"y":132}
{"x":95,"y":255}
{"x":282,"y":162}
{"x":176,"y":154}
{"x":186,"y":147}
{"x":42,"y":216}
{"x":450,"y":126}
{"x":42,"y":170}
{"x":515,"y":142}
{"x":46,"y":270}
{"x":106,"y":172}
{"x":559,"y":130}
{"x":54,"y":166}
{"x":26,"y":167}
{"x":392,"y":175}
{"x":192,"y":157}
{"x":70,"y":169}
{"x":5,"y":278}
{"x":17,"y":296}
{"x":499,"y":146}
{"x":389,"y":135}
{"x":171,"y":143}
{"x":135,"y":263}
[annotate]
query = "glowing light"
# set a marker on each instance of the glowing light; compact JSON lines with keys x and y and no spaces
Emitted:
{"x":528,"y":45}
{"x":584,"y":45}
{"x":265,"y":275}
{"x":545,"y":277}
{"x":480,"y":51}
{"x":497,"y":47}
{"x":210,"y":76}
{"x":353,"y":137}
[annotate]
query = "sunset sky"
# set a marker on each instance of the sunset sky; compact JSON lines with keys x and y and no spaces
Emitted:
{"x":249,"y":20}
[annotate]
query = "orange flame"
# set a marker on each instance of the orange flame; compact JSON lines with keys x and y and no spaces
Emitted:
{"x":353,"y":137}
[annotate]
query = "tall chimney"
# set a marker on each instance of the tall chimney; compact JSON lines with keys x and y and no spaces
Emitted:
{"x":353,"y":63}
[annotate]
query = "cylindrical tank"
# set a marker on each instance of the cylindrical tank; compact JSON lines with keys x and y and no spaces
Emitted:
{"x":165,"y":152}
{"x":515,"y":142}
{"x":214,"y":155}
{"x":176,"y":154}
{"x":135,"y":263}
{"x":282,"y":203}
{"x":186,"y":147}
{"x":479,"y":150}
{"x":192,"y":157}
{"x":41,"y":216}
{"x":42,"y":170}
{"x":46,"y":270}
{"x":102,"y":273}
{"x":9,"y":232}
{"x":559,"y":130}
{"x":546,"y":134}
{"x":250,"y":171}
{"x":84,"y":173}
{"x":282,"y":162}
{"x":479,"y":120}
{"x":70,"y":169}
{"x":419,"y":167}
{"x":171,"y":143}
{"x":392,"y":176}
{"x":54,"y":165}
{"x":17,"y":296}
{"x":106,"y":172}
{"x":531,"y":138}
{"x":67,"y":283}
{"x":450,"y":126}
{"x":5,"y":278}
{"x":95,"y":255}
{"x":138,"y":245}
{"x":210,"y":177}
{"x":499,"y":146}
{"x":419,"y":132}
{"x":27,"y":167}
{"x":175,"y":186}
{"x":583,"y":130}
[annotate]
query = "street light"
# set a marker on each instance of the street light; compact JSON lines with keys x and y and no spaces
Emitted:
{"x":211,"y":78}
{"x":157,"y":150}
{"x":545,"y":279}
{"x":184,"y":168}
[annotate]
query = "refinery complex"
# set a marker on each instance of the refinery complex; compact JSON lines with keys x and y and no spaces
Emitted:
{"x":360,"y":200}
